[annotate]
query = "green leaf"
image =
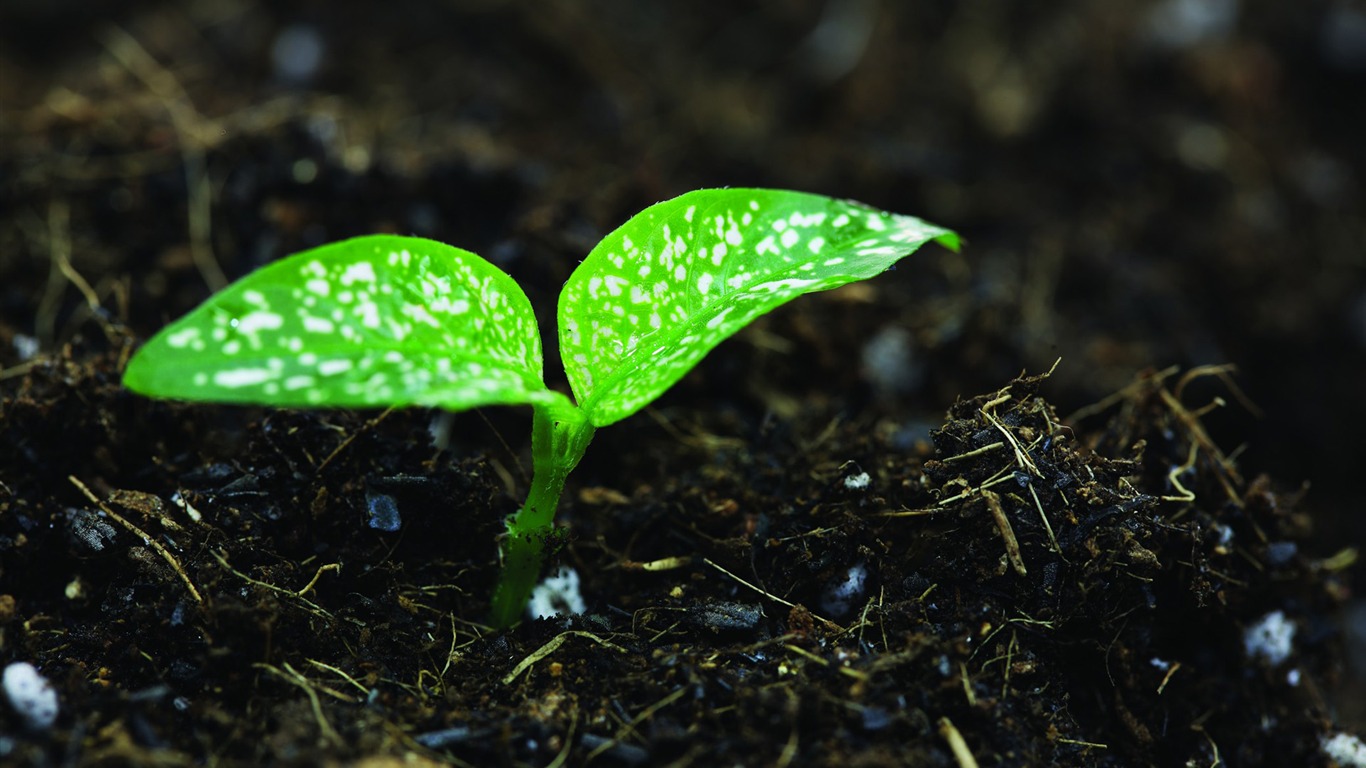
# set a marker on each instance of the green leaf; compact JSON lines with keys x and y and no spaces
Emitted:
{"x":373,"y":321}
{"x":658,"y":293}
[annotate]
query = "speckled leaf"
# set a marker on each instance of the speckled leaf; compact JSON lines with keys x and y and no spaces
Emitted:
{"x":373,"y":321}
{"x":678,"y":278}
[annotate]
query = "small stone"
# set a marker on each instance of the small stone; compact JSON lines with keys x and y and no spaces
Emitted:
{"x":557,"y":596}
{"x":841,"y":596}
{"x":1271,"y":638}
{"x":383,"y":512}
{"x":727,"y":616}
{"x":1344,"y":749}
{"x":31,"y":695}
{"x":857,"y":482}
{"x":26,"y":347}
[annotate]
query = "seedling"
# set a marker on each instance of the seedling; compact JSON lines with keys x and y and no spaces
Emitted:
{"x":383,"y":320}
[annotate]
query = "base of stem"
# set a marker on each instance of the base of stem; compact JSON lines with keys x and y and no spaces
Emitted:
{"x":523,"y":556}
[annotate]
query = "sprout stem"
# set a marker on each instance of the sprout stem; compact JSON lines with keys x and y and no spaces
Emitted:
{"x":559,"y":436}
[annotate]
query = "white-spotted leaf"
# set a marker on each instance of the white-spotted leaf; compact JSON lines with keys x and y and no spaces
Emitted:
{"x":661,"y":291}
{"x":372,"y":321}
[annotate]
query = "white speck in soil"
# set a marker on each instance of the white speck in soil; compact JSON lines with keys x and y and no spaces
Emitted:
{"x":557,"y":596}
{"x":840,"y":597}
{"x":25,"y":346}
{"x":1271,"y":638}
{"x":857,"y":482}
{"x":31,"y":695}
{"x":1344,"y":749}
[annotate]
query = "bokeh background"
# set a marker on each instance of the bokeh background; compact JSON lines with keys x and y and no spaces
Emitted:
{"x":1141,"y":184}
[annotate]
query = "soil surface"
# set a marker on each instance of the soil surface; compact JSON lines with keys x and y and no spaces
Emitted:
{"x":856,"y":535}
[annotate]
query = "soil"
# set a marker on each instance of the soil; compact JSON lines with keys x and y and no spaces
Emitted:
{"x":856,"y":535}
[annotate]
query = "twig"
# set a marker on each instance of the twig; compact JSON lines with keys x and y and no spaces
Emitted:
{"x":151,"y":542}
{"x":628,"y":728}
{"x":551,"y":647}
{"x":367,"y":426}
{"x":1005,"y":667}
{"x":308,"y":604}
{"x":1021,"y":457}
{"x":1047,"y":525}
{"x":828,"y":623}
{"x":1167,"y":678}
{"x":973,"y":452}
{"x":291,"y":676}
{"x":18,"y":370}
{"x":1223,"y":373}
{"x":957,"y":746}
{"x":1081,"y":743}
{"x":662,"y":564}
{"x":1007,"y":533}
{"x":563,"y":756}
{"x":910,"y":512}
{"x":1001,"y":478}
{"x":1174,"y":476}
{"x":339,"y":673}
{"x":789,"y":753}
{"x":333,"y":567}
{"x":1201,"y":437}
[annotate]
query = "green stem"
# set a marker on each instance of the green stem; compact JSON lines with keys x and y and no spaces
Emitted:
{"x":559,"y":436}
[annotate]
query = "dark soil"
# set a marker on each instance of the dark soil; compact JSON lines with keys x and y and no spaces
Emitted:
{"x":1061,"y":570}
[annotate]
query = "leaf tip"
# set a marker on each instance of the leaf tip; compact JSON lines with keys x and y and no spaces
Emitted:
{"x":950,"y":239}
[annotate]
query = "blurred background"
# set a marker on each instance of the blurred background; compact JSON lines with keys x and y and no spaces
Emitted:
{"x":1140,"y":184}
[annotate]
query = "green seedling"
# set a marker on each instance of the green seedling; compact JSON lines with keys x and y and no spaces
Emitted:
{"x":384,"y":320}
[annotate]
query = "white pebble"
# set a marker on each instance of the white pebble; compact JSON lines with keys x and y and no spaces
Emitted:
{"x":558,"y":595}
{"x":857,"y":482}
{"x":25,"y":346}
{"x":1344,"y":749}
{"x":31,"y":695}
{"x":1272,"y":638}
{"x":840,"y":597}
